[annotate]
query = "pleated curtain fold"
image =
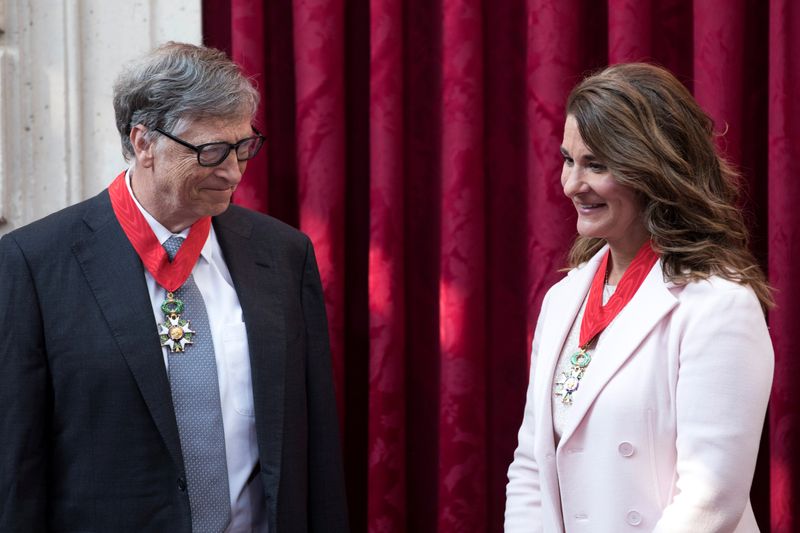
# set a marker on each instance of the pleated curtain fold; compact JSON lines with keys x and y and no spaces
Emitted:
{"x":417,"y":143}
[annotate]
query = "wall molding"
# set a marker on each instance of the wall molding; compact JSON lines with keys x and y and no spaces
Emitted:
{"x":58,"y":60}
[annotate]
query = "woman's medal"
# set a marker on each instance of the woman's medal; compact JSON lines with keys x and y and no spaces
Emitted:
{"x":597,"y":316}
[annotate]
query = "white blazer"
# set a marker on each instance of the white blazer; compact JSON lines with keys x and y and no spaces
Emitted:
{"x":664,"y":430}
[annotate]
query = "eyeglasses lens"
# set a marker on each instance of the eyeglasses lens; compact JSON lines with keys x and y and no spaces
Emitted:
{"x":248,"y":148}
{"x":214,"y":154}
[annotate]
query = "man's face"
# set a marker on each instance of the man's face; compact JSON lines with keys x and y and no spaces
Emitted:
{"x":186,"y":190}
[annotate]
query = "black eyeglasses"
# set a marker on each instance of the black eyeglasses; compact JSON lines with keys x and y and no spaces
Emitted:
{"x":212,"y":154}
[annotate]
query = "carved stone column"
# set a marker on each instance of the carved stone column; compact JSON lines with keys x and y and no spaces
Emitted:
{"x":58,"y":60}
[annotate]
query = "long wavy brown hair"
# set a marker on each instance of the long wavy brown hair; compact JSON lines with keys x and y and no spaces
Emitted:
{"x":646,"y":127}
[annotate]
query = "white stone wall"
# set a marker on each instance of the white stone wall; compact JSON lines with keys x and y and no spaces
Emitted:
{"x":58,"y":60}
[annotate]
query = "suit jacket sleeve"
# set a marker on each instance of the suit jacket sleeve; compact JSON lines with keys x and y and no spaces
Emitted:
{"x":523,"y":493}
{"x":24,"y":393}
{"x":327,"y":502}
{"x":724,"y":379}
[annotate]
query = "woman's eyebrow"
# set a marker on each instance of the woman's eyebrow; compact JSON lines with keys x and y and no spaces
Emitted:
{"x":585,"y":157}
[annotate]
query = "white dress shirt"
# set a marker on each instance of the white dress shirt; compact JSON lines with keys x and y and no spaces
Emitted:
{"x":248,"y":512}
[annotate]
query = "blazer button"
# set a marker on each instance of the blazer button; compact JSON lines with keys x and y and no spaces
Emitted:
{"x":625,"y":449}
{"x":182,"y":484}
{"x":634,"y":518}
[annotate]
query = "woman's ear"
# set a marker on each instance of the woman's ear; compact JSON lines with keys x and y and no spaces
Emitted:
{"x":142,"y":147}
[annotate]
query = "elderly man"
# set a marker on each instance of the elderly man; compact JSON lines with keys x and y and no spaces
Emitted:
{"x":164,"y":361}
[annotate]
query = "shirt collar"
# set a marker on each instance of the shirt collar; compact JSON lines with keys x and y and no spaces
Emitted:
{"x":162,"y":233}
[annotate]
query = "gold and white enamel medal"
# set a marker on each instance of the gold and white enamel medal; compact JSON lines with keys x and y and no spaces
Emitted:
{"x":175,"y":332}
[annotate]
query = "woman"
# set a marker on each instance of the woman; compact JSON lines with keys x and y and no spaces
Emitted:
{"x":652,"y":364}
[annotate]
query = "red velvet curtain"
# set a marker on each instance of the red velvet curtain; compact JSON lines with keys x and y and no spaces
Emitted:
{"x":416,"y":142}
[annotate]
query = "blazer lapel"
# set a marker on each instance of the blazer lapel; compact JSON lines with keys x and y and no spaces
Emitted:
{"x":618,"y":342}
{"x":253,"y":270}
{"x":115,"y":274}
{"x":562,"y":307}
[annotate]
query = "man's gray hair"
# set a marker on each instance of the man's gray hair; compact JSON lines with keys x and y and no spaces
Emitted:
{"x":176,"y":82}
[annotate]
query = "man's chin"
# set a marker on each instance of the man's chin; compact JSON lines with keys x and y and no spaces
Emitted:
{"x":216,"y":199}
{"x":218,"y":208}
{"x":211,"y":208}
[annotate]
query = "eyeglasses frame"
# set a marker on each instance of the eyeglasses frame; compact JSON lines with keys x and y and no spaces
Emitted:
{"x":234,"y":146}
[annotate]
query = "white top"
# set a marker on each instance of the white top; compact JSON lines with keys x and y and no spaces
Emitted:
{"x":248,"y":512}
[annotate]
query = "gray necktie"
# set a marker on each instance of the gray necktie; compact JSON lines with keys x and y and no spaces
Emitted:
{"x":195,"y":395}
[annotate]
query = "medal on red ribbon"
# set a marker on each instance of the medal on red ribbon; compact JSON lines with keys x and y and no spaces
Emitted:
{"x":175,"y":332}
{"x":597,"y":317}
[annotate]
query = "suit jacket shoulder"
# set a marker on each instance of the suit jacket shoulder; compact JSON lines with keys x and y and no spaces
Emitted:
{"x":245,"y":221}
{"x":47,"y":238}
{"x":280,"y":241}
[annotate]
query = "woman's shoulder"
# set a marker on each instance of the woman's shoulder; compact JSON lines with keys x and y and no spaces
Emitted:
{"x":716,"y":296}
{"x":711,"y":286}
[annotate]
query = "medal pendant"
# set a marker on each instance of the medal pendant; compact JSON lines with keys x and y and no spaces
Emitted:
{"x":175,"y":332}
{"x":568,"y":382}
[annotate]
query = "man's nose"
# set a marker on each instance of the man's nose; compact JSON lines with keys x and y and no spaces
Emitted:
{"x":232,"y":167}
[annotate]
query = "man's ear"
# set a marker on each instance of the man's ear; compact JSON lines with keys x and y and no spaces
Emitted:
{"x":142,"y":148}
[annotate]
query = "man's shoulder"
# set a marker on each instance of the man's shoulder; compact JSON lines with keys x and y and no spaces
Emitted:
{"x":64,"y":226}
{"x":255,"y":224}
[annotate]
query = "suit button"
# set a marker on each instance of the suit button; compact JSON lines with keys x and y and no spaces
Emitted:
{"x":634,"y":518}
{"x":181,"y":484}
{"x":626,"y":449}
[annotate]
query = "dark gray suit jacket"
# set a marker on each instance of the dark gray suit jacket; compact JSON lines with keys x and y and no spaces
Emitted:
{"x":88,"y":438}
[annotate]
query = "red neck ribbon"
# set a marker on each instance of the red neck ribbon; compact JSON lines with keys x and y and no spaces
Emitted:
{"x":597,"y":316}
{"x":170,"y":275}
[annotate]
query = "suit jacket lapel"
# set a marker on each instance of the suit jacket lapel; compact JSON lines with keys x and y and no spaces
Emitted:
{"x":562,"y":307}
{"x":618,"y":342}
{"x":253,"y":269}
{"x":115,"y":274}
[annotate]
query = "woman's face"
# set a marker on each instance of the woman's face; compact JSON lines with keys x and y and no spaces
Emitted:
{"x":606,"y":209}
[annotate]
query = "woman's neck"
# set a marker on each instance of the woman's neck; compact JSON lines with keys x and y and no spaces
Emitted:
{"x":620,"y":259}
